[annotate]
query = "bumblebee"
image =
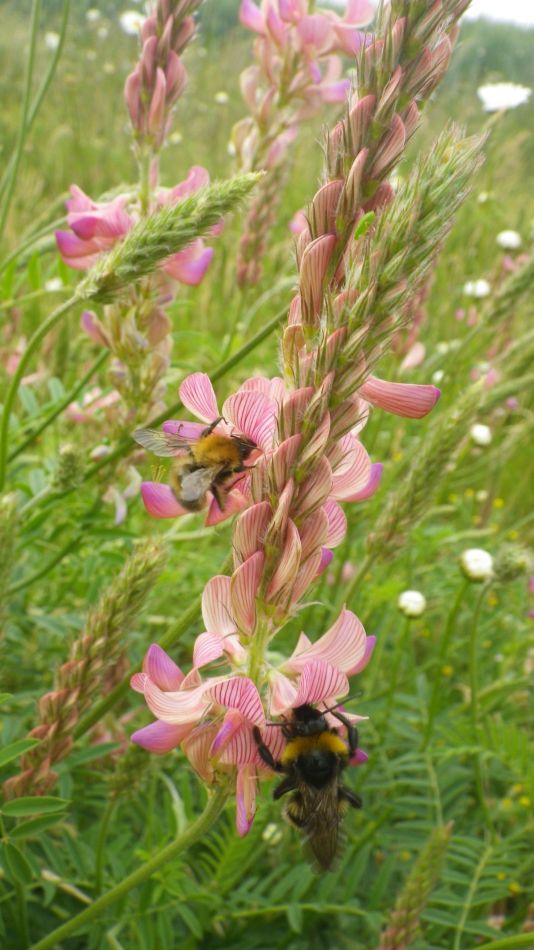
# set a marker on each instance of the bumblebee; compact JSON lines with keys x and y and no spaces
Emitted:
{"x":208,"y":464}
{"x":312,"y":762}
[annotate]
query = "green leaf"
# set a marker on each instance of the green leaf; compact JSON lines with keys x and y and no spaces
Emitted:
{"x":28,"y":400}
{"x":190,"y":920}
{"x":34,"y":827}
{"x":18,"y":867}
{"x":56,"y":388}
{"x":14,"y":749}
{"x":33,"y":805}
{"x":294,"y":916}
{"x":364,"y":224}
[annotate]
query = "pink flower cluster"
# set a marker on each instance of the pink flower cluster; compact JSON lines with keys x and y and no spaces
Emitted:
{"x":295,"y":63}
{"x":97,"y":226}
{"x":212,"y":718}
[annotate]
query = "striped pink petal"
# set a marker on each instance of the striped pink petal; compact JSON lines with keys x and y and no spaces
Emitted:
{"x":367,"y":654}
{"x":402,"y":399}
{"x":308,"y":572}
{"x":238,"y":692}
{"x":288,"y":563}
{"x":251,"y":17}
{"x":282,"y":694}
{"x":244,"y":586}
{"x":177,"y":708}
{"x":320,"y":681}
{"x":245,"y":792}
{"x":160,"y":737}
{"x":161,"y":669}
{"x":337,"y":523}
{"x":217,"y":606}
{"x":240,"y":748}
{"x":314,"y":531}
{"x":190,"y":265}
{"x":189,"y":431}
{"x":159,"y":501}
{"x":254,"y":415}
{"x":343,"y":646}
{"x":354,"y":473}
{"x":233,"y":720}
{"x":138,"y":682}
{"x":293,"y":409}
{"x":372,"y":485}
{"x":315,"y":489}
{"x":197,"y":749}
{"x":234,"y":502}
{"x":284,"y":459}
{"x":249,"y":531}
{"x":197,"y":395}
{"x":208,"y":647}
{"x":326,"y":559}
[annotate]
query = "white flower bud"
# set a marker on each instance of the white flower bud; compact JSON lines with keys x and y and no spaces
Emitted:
{"x":509,"y":240}
{"x":411,"y":603}
{"x":477,"y":288}
{"x":481,"y":434}
{"x":437,"y":376}
{"x":477,"y":564}
{"x":272,"y":834}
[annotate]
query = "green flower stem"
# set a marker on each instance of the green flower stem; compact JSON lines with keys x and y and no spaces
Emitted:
{"x":27,"y":298}
{"x":11,"y":394}
{"x":444,"y":646}
{"x":510,"y":943}
{"x":194,"y":833}
{"x":351,"y":588}
{"x":23,"y":913}
{"x":61,"y":406}
{"x":400,"y":647}
{"x":100,"y":852}
{"x":473,"y":701}
{"x":21,"y":135}
{"x":189,"y":616}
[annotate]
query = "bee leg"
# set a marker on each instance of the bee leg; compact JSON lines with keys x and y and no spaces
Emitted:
{"x":286,"y":785}
{"x":265,"y":753}
{"x":294,"y":811}
{"x":218,"y":496}
{"x":345,"y":794}
{"x":352,"y":732}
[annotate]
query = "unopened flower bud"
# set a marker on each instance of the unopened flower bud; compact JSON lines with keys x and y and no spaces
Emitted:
{"x":509,"y":240}
{"x":511,"y":562}
{"x":272,"y":834}
{"x":480,"y":434}
{"x":69,"y":468}
{"x":411,"y":603}
{"x":477,"y":564}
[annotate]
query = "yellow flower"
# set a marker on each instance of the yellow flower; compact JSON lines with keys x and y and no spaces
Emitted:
{"x":512,"y":535}
{"x":493,"y":600}
{"x":498,"y":502}
{"x":525,"y":801}
{"x":517,"y":788}
{"x":469,"y":492}
{"x":514,"y":888}
{"x":501,"y":876}
{"x":447,"y":670}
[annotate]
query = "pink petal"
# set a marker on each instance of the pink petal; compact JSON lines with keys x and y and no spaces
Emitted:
{"x":197,"y":749}
{"x":80,"y":255}
{"x":238,"y":692}
{"x":359,"y":757}
{"x":250,"y":17}
{"x":320,"y":681}
{"x":293,"y":409}
{"x":197,"y":178}
{"x":359,"y":12}
{"x":313,"y":532}
{"x":354,"y":472}
{"x":402,"y":399}
{"x":244,"y":586}
{"x":234,"y":502}
{"x":343,"y":646}
{"x":337,"y":523}
{"x":246,"y":778}
{"x":90,"y":323}
{"x":349,"y":40}
{"x":217,"y":606}
{"x":282,"y":694}
{"x":208,"y":647}
{"x":368,"y":490}
{"x":232,"y":722}
{"x":284,"y":459}
{"x":138,"y":682}
{"x":189,"y":431}
{"x":315,"y":489}
{"x":159,"y":501}
{"x":414,"y":357}
{"x":178,"y":707}
{"x":308,"y":572}
{"x":240,"y":748}
{"x":190,"y":265}
{"x":326,"y":560}
{"x":160,"y":737}
{"x":335,"y":91}
{"x":288,"y":563}
{"x":254,"y":415}
{"x":197,"y":395}
{"x":161,"y":669}
{"x":368,"y":652}
{"x":249,"y":531}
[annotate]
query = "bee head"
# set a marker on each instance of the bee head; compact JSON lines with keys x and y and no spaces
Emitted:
{"x":244,"y":446}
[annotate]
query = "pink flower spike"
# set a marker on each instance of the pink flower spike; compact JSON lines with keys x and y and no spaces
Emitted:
{"x":342,"y":647}
{"x":368,"y":652}
{"x":160,"y":737}
{"x":244,"y":586}
{"x":197,"y":395}
{"x":403,"y":399}
{"x":190,"y":265}
{"x":239,"y":693}
{"x":159,"y":501}
{"x":250,"y":17}
{"x":161,"y":669}
{"x":254,"y":415}
{"x":372,"y":485}
{"x":320,"y":681}
{"x":245,"y":796}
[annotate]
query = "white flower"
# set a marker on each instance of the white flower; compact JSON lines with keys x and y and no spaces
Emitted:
{"x":477,"y":564}
{"x":108,"y":69}
{"x":175,"y":138}
{"x":51,"y":40}
{"x":483,"y":197}
{"x":480,"y":434}
{"x":477,"y":288}
{"x":442,"y":347}
{"x":411,"y":603}
{"x":131,"y":22}
{"x":55,"y":283}
{"x":221,"y":98}
{"x":482,"y":495}
{"x":272,"y":834}
{"x":509,"y":240}
{"x":502,"y":95}
{"x":93,"y":15}
{"x":437,"y":377}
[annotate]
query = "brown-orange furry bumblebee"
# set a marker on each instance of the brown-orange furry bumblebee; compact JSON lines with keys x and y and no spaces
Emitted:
{"x":208,"y":464}
{"x":312,"y":762}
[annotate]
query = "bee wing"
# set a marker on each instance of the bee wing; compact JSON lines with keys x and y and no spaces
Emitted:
{"x":194,"y":485}
{"x":320,"y":822}
{"x":160,"y":443}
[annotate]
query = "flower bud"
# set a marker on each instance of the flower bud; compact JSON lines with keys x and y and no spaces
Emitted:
{"x":411,"y":603}
{"x":480,"y":434}
{"x":69,"y":469}
{"x":477,"y":564}
{"x":511,"y":562}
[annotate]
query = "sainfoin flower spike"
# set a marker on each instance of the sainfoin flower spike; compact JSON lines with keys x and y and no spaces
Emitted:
{"x":354,"y":292}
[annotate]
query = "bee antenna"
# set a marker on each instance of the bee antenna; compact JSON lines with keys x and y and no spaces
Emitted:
{"x":342,"y":702}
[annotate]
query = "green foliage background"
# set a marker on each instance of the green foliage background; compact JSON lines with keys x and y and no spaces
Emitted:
{"x":259,"y":892}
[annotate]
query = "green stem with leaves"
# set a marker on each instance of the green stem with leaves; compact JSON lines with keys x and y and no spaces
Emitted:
{"x":433,"y":704}
{"x":190,"y":836}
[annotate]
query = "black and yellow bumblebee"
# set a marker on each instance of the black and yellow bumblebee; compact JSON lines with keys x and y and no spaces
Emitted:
{"x":208,"y":464}
{"x":313,"y":759}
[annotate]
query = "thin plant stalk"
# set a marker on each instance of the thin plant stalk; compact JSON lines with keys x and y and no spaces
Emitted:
{"x":100,"y":851}
{"x":473,"y":701}
{"x":195,"y":832}
{"x":443,"y":648}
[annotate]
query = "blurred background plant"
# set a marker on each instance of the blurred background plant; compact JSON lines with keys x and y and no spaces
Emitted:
{"x":431,"y":759}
